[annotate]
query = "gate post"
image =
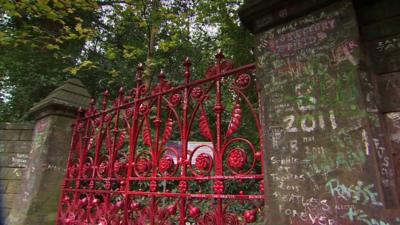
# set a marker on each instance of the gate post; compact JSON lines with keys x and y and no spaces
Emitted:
{"x":321,"y":66}
{"x":48,"y":156}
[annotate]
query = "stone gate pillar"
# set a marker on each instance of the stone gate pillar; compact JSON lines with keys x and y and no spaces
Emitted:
{"x":328,"y":160}
{"x":48,"y":155}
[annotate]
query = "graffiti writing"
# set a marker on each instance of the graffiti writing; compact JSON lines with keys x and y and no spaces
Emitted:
{"x":359,"y":215}
{"x":358,"y":193}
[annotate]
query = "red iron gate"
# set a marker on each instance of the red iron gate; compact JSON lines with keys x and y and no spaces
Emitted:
{"x":124,"y":168}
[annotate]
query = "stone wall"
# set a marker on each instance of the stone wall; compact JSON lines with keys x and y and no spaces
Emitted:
{"x":33,"y":157}
{"x":329,"y":75}
{"x":15,"y":144}
{"x":44,"y":157}
{"x":380,"y":32}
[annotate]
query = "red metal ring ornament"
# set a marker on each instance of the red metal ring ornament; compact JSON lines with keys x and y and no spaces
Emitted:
{"x":173,"y":167}
{"x":239,"y":170}
{"x":207,"y":161}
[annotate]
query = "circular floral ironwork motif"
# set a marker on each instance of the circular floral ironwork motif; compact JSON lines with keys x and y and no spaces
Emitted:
{"x":175,"y":99}
{"x":166,"y":163}
{"x":143,"y":109}
{"x":250,"y":216}
{"x":102,"y":167}
{"x":86,"y":169}
{"x":231,"y":219}
{"x":237,"y":159}
{"x":97,"y":122}
{"x":117,"y":166}
{"x":243,"y":80}
{"x":202,"y":161}
{"x":72,"y":171}
{"x":143,"y":165}
{"x":197,"y":92}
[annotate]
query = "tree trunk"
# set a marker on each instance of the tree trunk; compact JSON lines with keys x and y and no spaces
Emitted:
{"x":153,"y":33}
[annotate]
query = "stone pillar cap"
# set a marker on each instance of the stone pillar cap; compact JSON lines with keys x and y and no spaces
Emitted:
{"x":64,"y":100}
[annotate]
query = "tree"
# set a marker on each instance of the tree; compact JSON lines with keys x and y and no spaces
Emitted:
{"x":42,"y":43}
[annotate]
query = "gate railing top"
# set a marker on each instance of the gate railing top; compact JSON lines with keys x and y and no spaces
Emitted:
{"x":211,"y":75}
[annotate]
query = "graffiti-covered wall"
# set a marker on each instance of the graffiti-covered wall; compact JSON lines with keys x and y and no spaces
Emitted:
{"x":329,"y":161}
{"x":15,"y":143}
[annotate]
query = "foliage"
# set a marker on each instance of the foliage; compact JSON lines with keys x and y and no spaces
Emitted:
{"x":45,"y":42}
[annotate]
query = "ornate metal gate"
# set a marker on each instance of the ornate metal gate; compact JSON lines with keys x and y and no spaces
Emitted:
{"x":136,"y":162}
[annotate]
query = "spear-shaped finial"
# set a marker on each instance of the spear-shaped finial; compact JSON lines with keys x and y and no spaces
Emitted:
{"x":92,"y":107}
{"x":219,"y":55}
{"x":79,"y":112}
{"x":105,"y":99}
{"x":139,"y":71}
{"x":161,"y":76}
{"x":121,"y":90}
{"x":121,"y":95}
{"x":92,"y":102}
{"x":187,"y":63}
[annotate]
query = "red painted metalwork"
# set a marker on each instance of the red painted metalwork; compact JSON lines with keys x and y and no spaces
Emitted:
{"x":123,"y":169}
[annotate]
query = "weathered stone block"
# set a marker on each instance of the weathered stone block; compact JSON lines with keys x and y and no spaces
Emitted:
{"x":377,"y":11}
{"x":11,"y":173}
{"x":16,"y":160}
{"x":11,"y":135}
{"x":8,"y":199}
{"x":17,"y":146}
{"x":3,"y":186}
{"x":381,"y":29}
{"x":5,"y":160}
{"x":389,"y":92}
{"x":2,"y":146}
{"x":385,"y":54}
{"x":13,"y":187}
{"x":26,"y":135}
{"x":16,"y":126}
{"x":5,"y":211}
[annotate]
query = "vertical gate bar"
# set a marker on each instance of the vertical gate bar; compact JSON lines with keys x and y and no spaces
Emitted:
{"x":113,"y":147}
{"x":218,"y":109}
{"x":99,"y":140}
{"x":184,"y":138}
{"x":77,"y":178}
{"x":83,"y":153}
{"x":154,"y":153}
{"x":115,"y":131}
{"x":133,"y":134}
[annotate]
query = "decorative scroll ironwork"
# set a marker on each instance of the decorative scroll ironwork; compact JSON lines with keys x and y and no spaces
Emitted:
{"x":132,"y":164}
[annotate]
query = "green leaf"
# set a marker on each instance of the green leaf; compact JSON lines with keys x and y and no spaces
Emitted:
{"x":111,"y":54}
{"x":52,"y":46}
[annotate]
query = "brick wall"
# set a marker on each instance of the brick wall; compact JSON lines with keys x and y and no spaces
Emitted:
{"x":15,"y":144}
